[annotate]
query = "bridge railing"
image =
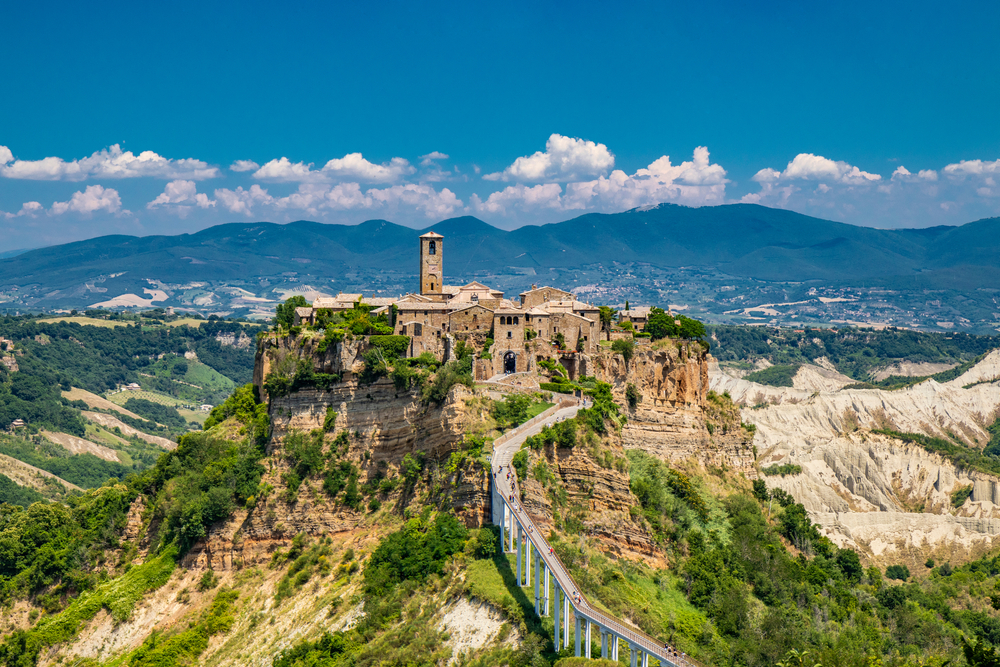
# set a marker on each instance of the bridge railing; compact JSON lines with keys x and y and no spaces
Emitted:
{"x":562,"y":575}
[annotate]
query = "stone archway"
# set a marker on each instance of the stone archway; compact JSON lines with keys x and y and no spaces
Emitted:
{"x":510,"y":362}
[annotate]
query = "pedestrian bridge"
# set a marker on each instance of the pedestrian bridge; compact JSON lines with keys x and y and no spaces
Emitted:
{"x":556,"y":593}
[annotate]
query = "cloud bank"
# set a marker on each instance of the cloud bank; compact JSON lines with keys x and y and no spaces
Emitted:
{"x":569,"y":176}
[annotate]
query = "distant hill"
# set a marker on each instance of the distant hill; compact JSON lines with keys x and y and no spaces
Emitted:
{"x":742,"y":240}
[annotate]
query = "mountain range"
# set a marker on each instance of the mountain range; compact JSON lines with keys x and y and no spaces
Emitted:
{"x":745,"y":241}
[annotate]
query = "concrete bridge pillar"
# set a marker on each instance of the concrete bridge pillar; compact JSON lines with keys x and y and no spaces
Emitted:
{"x":645,"y":659}
{"x":604,"y":643}
{"x":633,"y":654}
{"x":527,"y":560}
{"x":566,"y":617}
{"x":538,"y":610}
{"x":576,"y":635}
{"x":587,"y":636}
{"x":548,"y":608}
{"x":555,"y":619}
{"x":614,"y":647}
{"x":519,"y":547}
{"x":510,"y":530}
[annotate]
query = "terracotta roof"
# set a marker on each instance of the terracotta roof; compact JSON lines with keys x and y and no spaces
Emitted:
{"x":538,"y":311}
{"x":431,"y":235}
{"x":304,"y":311}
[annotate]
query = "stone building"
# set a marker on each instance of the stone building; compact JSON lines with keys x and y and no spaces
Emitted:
{"x":439,"y":315}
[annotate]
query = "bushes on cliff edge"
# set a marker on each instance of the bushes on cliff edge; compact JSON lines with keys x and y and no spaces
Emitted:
{"x":413,"y":553}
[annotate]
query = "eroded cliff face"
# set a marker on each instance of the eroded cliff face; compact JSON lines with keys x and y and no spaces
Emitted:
{"x":889,"y":499}
{"x":589,"y":483}
{"x":383,"y":426}
{"x":674,"y":418}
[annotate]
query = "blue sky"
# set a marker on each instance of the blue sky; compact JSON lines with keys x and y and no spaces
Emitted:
{"x":138,"y":118}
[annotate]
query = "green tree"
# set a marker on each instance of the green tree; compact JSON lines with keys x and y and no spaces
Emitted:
{"x":285,"y":312}
{"x":607,"y":315}
{"x":661,"y":325}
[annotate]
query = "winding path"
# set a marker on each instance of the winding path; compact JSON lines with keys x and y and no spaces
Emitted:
{"x":508,"y":513}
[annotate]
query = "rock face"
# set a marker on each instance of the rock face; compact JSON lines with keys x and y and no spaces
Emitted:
{"x":384,"y":425}
{"x":887,"y":498}
{"x":671,"y":420}
{"x":591,"y":482}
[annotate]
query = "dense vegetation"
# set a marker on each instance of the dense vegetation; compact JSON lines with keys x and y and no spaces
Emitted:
{"x":84,"y":470}
{"x":13,"y":493}
{"x":53,"y":356}
{"x":855,"y":352}
{"x":157,"y":412}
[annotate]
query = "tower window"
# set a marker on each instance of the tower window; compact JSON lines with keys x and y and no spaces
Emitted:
{"x":432,"y":248}
{"x":515,"y":319}
{"x":509,"y":335}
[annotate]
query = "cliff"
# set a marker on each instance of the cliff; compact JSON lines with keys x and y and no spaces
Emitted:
{"x":677,"y":417}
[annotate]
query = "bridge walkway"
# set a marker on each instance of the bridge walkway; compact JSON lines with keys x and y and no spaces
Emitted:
{"x":510,"y":515}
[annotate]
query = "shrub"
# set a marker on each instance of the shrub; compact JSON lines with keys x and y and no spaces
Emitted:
{"x":783,"y":469}
{"x":960,"y":495}
{"x":633,"y":396}
{"x":624,"y":347}
{"x":413,"y":553}
{"x":511,"y":411}
{"x":899,"y":572}
{"x":449,"y":375}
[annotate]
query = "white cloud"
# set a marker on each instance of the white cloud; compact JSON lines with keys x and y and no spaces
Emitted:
{"x":5,"y":155}
{"x":352,"y":166}
{"x":28,"y":208}
{"x":818,"y":168}
{"x":244,"y":165}
{"x":903,"y":175}
{"x":240,"y":200}
{"x":695,"y":183}
{"x":521,"y":197}
{"x":108,"y":163}
{"x":428,"y":160}
{"x":972,"y":168}
{"x":319,"y":200}
{"x":564,"y":159}
{"x":767,"y":175}
{"x":180,"y":197}
{"x":92,"y":200}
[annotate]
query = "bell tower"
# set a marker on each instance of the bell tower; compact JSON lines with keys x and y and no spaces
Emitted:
{"x":431,"y":264}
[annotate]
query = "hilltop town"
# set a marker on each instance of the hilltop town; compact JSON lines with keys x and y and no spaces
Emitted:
{"x":438,"y":316}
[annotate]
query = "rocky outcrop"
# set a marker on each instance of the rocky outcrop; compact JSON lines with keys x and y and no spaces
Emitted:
{"x":383,"y":424}
{"x":589,"y":483}
{"x":670,"y":420}
{"x":885,"y":496}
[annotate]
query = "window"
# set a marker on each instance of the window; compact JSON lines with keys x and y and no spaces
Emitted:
{"x":475,"y":298}
{"x":474,"y":318}
{"x":432,"y":248}
{"x":509,"y":334}
{"x":515,"y":319}
{"x":403,"y":330}
{"x":417,"y":330}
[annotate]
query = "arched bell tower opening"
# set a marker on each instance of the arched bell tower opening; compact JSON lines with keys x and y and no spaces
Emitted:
{"x":431,"y":264}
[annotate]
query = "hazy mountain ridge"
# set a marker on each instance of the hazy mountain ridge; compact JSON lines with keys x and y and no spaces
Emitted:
{"x":738,"y":243}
